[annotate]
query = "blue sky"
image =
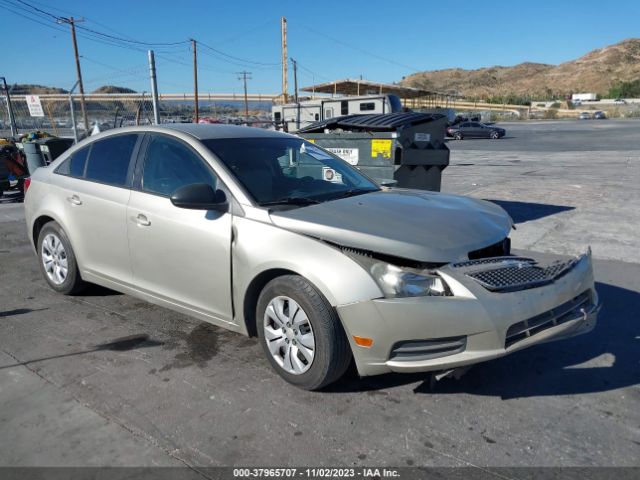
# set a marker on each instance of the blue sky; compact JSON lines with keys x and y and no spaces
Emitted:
{"x":380,"y":40}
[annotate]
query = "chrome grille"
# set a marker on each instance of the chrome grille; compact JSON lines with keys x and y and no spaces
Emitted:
{"x":520,"y":274}
{"x":570,"y":310}
{"x":490,"y":261}
{"x":416,"y":350}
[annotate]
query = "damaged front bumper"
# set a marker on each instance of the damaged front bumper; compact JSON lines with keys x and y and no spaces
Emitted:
{"x":498,"y":306}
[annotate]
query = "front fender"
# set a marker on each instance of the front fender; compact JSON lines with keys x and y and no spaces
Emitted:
{"x":259,"y":247}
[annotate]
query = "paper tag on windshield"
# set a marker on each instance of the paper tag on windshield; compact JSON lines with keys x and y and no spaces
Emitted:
{"x":349,"y":155}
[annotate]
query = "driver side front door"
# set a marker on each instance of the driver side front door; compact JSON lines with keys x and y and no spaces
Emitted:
{"x":179,"y":256}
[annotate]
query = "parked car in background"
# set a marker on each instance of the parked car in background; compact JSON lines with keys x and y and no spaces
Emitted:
{"x":620,"y":101}
{"x":599,"y":115}
{"x":243,"y":228}
{"x":584,"y":116}
{"x":475,"y":130}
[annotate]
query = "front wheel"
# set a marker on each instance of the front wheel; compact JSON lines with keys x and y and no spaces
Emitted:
{"x":301,"y":334}
{"x":495,"y":135}
{"x":457,"y":136}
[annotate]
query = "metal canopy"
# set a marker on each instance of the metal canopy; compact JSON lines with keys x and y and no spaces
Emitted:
{"x":365,"y":87}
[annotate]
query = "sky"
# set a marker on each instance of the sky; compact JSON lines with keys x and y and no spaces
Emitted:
{"x":379,"y":40}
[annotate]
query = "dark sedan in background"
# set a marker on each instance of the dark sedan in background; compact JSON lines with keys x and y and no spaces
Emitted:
{"x":475,"y":130}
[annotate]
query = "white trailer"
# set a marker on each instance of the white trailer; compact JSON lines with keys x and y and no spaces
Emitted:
{"x":584,"y":97}
{"x":291,"y":117}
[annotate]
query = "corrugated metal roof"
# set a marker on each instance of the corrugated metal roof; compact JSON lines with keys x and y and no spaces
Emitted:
{"x":365,"y":87}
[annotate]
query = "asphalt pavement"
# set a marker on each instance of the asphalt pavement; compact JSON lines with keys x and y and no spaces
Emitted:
{"x":107,"y":379}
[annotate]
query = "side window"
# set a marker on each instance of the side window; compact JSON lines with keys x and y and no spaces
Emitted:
{"x":367,"y":107}
{"x":328,"y":113}
{"x":170,"y":164}
{"x":277,"y":116}
{"x":344,"y":107}
{"x":74,"y":165}
{"x":109,"y":159}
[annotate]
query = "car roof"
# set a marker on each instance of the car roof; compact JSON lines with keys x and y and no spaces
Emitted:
{"x":210,"y":131}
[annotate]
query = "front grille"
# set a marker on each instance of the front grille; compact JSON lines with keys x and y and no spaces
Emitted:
{"x":520,"y":274}
{"x":489,"y":261}
{"x":416,"y":350}
{"x":570,"y":310}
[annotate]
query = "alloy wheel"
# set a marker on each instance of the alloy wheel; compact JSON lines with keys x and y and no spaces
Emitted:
{"x":289,"y":335}
{"x":54,"y":259}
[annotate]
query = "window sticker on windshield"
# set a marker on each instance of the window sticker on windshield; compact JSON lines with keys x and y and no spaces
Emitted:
{"x":330,"y":175}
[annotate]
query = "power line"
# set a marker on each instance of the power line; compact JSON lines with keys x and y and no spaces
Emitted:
{"x":362,"y":50}
{"x":233,"y":57}
{"x":96,"y":32}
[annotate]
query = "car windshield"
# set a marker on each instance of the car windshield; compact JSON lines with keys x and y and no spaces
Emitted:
{"x":289,"y":171}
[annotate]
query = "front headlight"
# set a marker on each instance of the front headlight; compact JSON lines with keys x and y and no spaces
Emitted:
{"x":397,"y":282}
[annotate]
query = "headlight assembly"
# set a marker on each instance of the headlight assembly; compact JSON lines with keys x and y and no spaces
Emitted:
{"x":398,"y":282}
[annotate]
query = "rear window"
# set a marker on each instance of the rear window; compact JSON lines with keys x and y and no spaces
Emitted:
{"x":74,"y":165}
{"x":109,"y":160}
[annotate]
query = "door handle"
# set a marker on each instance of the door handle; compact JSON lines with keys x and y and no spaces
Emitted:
{"x":142,"y":220}
{"x":74,"y":200}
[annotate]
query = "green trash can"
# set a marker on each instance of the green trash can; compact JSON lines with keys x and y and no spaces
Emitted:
{"x":407,"y":149}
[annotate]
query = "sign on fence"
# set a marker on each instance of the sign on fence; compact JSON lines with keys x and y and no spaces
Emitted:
{"x":35,"y":107}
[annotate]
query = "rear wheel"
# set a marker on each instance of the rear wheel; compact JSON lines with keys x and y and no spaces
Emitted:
{"x":57,"y":260}
{"x":457,"y":136}
{"x":301,"y":334}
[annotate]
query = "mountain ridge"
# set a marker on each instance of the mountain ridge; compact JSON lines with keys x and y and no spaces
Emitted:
{"x":597,"y":71}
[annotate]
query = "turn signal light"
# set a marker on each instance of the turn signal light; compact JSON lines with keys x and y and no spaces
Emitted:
{"x":27,"y":182}
{"x":363,"y":341}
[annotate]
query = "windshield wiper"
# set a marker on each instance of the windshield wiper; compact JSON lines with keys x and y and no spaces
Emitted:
{"x":355,"y":191}
{"x":290,"y":201}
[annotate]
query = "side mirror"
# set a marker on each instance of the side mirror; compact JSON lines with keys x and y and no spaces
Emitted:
{"x":200,"y":196}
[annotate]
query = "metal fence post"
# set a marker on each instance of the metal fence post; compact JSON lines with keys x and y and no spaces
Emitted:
{"x":154,"y":88}
{"x":12,"y":120}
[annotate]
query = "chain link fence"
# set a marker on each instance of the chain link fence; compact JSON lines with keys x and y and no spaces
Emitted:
{"x":105,"y":111}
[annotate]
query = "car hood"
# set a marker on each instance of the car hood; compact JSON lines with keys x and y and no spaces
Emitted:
{"x":416,"y":225}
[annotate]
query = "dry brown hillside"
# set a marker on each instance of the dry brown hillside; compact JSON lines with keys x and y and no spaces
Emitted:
{"x":597,"y":71}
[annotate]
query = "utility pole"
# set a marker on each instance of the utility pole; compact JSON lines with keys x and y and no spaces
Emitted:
{"x":285,"y":80}
{"x":295,"y":80}
{"x":244,"y":78}
{"x":195,"y":78}
{"x":154,"y":88}
{"x":72,"y":21}
{"x":12,"y":120}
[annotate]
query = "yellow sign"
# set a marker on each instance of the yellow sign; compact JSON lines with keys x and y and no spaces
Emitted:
{"x":381,"y":147}
{"x":311,"y":140}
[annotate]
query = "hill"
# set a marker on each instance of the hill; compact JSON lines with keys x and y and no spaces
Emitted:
{"x":32,"y":89}
{"x":113,"y":89}
{"x":597,"y":72}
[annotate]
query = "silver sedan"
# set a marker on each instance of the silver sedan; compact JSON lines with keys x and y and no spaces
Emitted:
{"x":269,"y":235}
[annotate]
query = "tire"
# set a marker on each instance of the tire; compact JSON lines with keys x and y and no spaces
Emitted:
{"x":318,"y":324}
{"x":457,"y":136}
{"x":55,"y":254}
{"x":494,"y":135}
